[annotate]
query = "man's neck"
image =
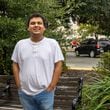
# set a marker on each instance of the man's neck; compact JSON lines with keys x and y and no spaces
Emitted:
{"x":36,"y":38}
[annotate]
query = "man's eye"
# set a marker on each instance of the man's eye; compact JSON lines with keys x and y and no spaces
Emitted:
{"x":39,"y":23}
{"x":32,"y":23}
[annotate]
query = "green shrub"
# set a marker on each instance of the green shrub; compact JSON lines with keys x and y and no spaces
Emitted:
{"x":103,"y":67}
{"x":11,"y":31}
{"x":96,"y":94}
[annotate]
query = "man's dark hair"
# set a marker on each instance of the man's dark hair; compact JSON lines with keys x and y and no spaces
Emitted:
{"x":38,"y":15}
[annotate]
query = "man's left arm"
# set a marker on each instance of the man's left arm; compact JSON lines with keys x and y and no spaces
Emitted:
{"x":56,"y":76}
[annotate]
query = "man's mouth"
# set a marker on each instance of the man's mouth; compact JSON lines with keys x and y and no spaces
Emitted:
{"x":37,"y":28}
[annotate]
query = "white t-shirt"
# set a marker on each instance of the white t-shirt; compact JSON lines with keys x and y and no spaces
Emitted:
{"x":36,"y":62}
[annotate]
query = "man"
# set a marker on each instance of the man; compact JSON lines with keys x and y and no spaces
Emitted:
{"x":37,"y":65}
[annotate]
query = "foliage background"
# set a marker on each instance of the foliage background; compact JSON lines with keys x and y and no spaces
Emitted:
{"x":13,"y":17}
{"x":14,"y":13}
{"x":96,"y":91}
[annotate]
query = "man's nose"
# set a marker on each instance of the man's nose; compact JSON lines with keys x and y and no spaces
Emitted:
{"x":36,"y":24}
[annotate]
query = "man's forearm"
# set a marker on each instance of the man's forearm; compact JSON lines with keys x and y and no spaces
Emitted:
{"x":15,"y":69}
{"x":56,"y":76}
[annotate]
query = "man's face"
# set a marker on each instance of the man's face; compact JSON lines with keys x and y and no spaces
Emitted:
{"x":36,"y":26}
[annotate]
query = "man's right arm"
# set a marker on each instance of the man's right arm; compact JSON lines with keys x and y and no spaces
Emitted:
{"x":15,"y":68}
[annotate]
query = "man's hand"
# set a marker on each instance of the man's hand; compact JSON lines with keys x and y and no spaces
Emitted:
{"x":51,"y":87}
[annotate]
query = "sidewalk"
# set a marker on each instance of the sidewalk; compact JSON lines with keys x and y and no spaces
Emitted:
{"x":80,"y":63}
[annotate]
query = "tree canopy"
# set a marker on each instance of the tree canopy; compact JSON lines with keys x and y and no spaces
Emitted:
{"x":94,"y":12}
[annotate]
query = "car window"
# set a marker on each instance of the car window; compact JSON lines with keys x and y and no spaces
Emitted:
{"x":84,"y":42}
{"x":88,"y":41}
{"x":104,"y":42}
{"x":92,"y":42}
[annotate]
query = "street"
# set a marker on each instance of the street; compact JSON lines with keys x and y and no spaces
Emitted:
{"x":82,"y":62}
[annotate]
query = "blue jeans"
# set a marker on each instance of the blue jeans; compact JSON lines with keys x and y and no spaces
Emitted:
{"x":41,"y":101}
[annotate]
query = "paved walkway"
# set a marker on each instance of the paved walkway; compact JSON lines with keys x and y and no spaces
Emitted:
{"x":80,"y":63}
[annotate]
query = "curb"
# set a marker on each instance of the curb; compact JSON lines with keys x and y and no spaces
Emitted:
{"x":79,"y":68}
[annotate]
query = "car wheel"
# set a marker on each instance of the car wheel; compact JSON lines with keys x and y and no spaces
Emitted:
{"x":92,"y":54}
{"x":77,"y":53}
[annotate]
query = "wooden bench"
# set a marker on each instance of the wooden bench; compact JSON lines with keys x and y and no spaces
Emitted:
{"x":67,"y":95}
{"x":8,"y":94}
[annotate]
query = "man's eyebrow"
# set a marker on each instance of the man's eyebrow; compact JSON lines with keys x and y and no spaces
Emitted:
{"x":36,"y":22}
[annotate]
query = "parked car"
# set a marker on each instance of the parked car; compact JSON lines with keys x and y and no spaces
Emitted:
{"x":93,"y":47}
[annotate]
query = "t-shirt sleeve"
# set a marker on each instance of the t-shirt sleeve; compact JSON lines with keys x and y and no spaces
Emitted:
{"x":14,"y":56}
{"x":58,"y":53}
